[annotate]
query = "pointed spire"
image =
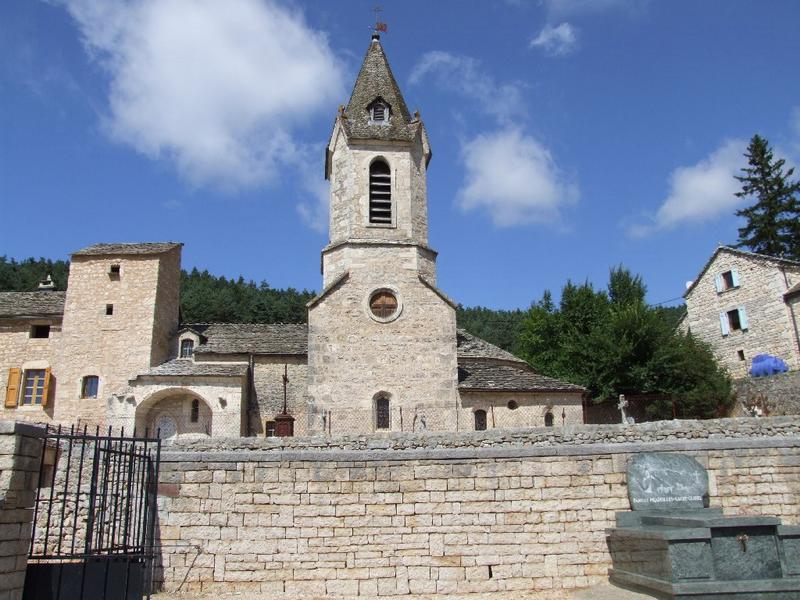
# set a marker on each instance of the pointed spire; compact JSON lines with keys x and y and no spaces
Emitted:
{"x":375,"y":81}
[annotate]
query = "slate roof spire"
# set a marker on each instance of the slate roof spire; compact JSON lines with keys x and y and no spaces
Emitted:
{"x":376,"y":81}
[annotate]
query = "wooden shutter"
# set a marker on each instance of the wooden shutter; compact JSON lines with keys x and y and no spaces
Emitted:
{"x":743,"y":318}
{"x":12,"y":388}
{"x":723,"y":323}
{"x":718,"y":283}
{"x":46,"y":390}
{"x":735,"y":277}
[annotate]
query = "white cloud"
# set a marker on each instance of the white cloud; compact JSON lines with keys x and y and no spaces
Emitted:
{"x":464,"y":75}
{"x":219,"y":88}
{"x":566,"y":8}
{"x":557,"y":41}
{"x":514,"y":178}
{"x":700,"y":192}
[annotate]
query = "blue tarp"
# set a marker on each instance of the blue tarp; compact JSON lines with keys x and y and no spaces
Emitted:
{"x":766,"y":364}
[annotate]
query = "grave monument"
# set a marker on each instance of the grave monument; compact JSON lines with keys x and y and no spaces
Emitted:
{"x":673,"y":546}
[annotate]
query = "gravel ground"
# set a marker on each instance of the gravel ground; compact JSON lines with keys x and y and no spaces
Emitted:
{"x":598,"y":592}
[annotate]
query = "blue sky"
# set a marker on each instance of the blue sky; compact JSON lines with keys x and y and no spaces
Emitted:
{"x":568,"y":136}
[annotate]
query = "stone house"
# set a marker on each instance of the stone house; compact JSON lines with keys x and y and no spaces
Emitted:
{"x":743,"y":304}
{"x":381,"y":351}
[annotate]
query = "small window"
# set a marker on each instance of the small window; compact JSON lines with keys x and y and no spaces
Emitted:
{"x":89,"y":386}
{"x":379,"y":112}
{"x":195,"y":416}
{"x":35,"y":386}
{"x":187,"y":348}
{"x":113,"y":271}
{"x":40,"y":331}
{"x":380,"y":193}
{"x":727,"y":280}
{"x":480,"y":420}
{"x":269,"y":428}
{"x":383,"y":304}
{"x":740,"y":354}
{"x":109,"y":309}
{"x":512,"y":405}
{"x":548,"y":419}
{"x":382,"y":415}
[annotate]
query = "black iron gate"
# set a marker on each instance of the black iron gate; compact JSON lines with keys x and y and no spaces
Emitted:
{"x":94,"y":518}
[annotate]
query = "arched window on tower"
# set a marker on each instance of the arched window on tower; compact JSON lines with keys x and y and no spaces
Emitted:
{"x":380,"y":193}
{"x":548,"y":419}
{"x":480,"y":420}
{"x":383,"y":417}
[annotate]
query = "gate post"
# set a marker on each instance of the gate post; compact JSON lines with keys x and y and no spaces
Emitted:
{"x":20,"y":458}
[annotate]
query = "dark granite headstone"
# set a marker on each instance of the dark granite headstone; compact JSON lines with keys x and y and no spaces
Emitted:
{"x":667,"y":481}
{"x":672,"y":546}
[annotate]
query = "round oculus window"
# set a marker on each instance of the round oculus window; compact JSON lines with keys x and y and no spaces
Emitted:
{"x":383,"y":304}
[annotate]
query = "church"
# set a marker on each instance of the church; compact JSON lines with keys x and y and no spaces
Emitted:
{"x":381,"y":352}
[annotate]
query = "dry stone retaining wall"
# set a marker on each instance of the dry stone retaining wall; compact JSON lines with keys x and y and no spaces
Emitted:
{"x":455,"y":513}
{"x":782,"y":391}
{"x":20,"y":454}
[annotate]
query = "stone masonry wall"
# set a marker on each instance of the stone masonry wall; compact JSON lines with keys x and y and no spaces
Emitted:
{"x":19,"y":350}
{"x":268,"y":384}
{"x":782,"y":391}
{"x":349,"y":216}
{"x":114,"y":347}
{"x":761,"y":288}
{"x":20,"y":452}
{"x":567,"y":409}
{"x":436,"y":514}
{"x":352,"y":357}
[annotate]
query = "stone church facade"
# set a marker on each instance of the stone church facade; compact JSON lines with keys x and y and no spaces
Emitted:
{"x":381,"y":352}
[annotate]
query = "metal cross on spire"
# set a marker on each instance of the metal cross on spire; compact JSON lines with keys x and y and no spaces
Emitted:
{"x":379,"y":26}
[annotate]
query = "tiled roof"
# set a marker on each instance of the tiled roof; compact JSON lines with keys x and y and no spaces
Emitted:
{"x":255,"y":338}
{"x":127,"y":249}
{"x":738,"y":252}
{"x":31,"y":304}
{"x":186,"y":366}
{"x":471,"y":346}
{"x":375,"y":79}
{"x":478,"y":375}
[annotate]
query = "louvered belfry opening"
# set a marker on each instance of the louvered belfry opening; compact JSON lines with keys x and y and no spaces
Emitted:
{"x":380,"y":193}
{"x":379,"y":112}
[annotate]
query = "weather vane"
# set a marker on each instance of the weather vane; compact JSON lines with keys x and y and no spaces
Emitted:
{"x":379,"y":26}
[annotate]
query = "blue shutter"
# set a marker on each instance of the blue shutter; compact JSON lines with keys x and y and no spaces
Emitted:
{"x":723,"y":323}
{"x":743,"y":317}
{"x":735,"y":277}
{"x":718,"y":283}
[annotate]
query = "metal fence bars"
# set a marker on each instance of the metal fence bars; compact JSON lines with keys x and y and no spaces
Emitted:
{"x":94,"y":518}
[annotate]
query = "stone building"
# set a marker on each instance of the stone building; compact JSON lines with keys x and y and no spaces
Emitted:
{"x":381,"y":351}
{"x":743,"y":304}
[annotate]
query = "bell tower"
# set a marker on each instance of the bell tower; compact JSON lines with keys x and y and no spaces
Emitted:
{"x":382,"y":337}
{"x":376,"y":162}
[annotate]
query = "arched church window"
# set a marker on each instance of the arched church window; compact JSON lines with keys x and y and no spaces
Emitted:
{"x":195,"y":416}
{"x":548,"y":419}
{"x":187,"y":348}
{"x":380,"y":193}
{"x":480,"y":420}
{"x":383,"y":418}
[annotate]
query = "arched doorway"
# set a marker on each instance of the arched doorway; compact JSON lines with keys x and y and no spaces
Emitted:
{"x":173,"y":412}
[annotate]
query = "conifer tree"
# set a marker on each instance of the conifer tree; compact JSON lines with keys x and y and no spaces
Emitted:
{"x":773,"y":222}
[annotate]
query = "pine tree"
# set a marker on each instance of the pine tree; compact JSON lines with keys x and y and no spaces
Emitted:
{"x":773,"y":222}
